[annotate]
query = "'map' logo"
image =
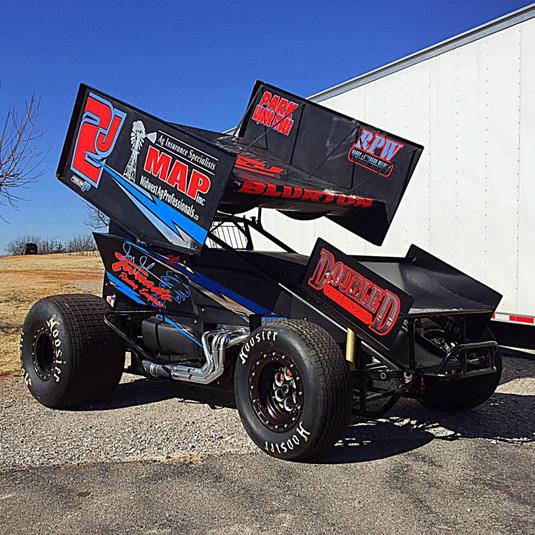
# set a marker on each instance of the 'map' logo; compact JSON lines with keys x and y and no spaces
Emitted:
{"x":377,"y":308}
{"x":177,"y":174}
{"x":275,"y":112}
{"x":98,"y":132}
{"x":374,"y":152}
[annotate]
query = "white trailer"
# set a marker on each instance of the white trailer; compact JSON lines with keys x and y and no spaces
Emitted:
{"x":471,"y":102}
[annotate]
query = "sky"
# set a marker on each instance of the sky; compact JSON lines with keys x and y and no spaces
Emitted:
{"x":193,"y":62}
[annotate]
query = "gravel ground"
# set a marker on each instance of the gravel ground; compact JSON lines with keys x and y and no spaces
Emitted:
{"x":144,"y":420}
{"x":158,"y":459}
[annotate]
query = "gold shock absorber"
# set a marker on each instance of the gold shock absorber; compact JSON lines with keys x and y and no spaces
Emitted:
{"x":350,"y":349}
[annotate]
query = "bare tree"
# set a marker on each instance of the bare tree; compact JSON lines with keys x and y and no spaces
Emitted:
{"x":20,"y":158}
{"x":81,"y":243}
{"x":95,"y":218}
{"x":17,"y":246}
{"x":50,"y":246}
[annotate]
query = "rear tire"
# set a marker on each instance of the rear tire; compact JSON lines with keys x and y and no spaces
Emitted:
{"x":293,"y":389}
{"x":69,"y":356}
{"x":464,"y":394}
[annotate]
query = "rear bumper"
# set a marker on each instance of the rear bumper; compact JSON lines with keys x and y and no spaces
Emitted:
{"x":467,"y":360}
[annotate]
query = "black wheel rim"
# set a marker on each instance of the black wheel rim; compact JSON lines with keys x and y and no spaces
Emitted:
{"x":43,"y":356}
{"x":276,"y":391}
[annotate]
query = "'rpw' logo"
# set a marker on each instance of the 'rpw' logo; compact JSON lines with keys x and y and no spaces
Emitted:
{"x":275,"y":112}
{"x":99,"y":129}
{"x":177,"y":174}
{"x":374,"y":306}
{"x":375,"y":152}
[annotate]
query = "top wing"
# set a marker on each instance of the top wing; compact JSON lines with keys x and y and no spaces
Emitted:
{"x":164,"y":182}
{"x":307,"y":161}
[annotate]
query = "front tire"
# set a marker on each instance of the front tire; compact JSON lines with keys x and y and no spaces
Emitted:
{"x":69,"y":356}
{"x":293,"y":389}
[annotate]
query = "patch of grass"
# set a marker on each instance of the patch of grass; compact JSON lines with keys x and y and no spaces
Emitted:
{"x":25,"y":280}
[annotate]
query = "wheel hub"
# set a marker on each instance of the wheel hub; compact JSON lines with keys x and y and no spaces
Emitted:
{"x":276,"y":391}
{"x":43,"y":355}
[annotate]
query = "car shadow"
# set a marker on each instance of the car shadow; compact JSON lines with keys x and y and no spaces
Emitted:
{"x":142,"y":391}
{"x":508,"y":416}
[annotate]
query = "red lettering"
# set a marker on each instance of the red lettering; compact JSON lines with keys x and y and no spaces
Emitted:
{"x":275,"y":112}
{"x":363,"y":202}
{"x":358,"y":295}
{"x":271,"y":190}
{"x":288,"y":192}
{"x":126,"y":266}
{"x":198,"y":183}
{"x":257,"y":166}
{"x":281,"y":108}
{"x":157,"y":163}
{"x":345,"y":200}
{"x":178,"y":177}
{"x":266,"y":99}
{"x":95,"y":140}
{"x":322,"y":270}
{"x":252,"y":187}
{"x":387,"y":315}
{"x":312,"y":195}
{"x":274,"y":104}
{"x":292,"y":106}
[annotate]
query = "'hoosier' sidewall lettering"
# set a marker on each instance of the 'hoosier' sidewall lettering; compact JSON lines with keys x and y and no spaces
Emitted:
{"x":269,"y":335}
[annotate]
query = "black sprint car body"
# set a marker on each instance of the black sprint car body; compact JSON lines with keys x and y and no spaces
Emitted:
{"x":181,"y":261}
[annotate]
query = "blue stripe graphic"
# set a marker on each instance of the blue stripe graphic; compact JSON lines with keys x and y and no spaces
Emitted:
{"x":223,"y":291}
{"x":181,"y":330}
{"x":124,"y":288}
{"x":170,"y":217}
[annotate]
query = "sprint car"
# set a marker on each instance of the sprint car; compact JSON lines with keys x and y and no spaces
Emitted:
{"x":197,"y":289}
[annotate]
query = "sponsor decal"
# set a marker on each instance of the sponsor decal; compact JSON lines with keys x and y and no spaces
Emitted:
{"x":374,"y":152}
{"x":177,"y":174}
{"x":255,"y":187}
{"x":98,"y":132}
{"x":138,"y":274}
{"x":82,"y":184}
{"x":137,"y":139}
{"x":257,"y":166}
{"x":275,"y":112}
{"x":378,"y":308}
{"x":52,"y":325}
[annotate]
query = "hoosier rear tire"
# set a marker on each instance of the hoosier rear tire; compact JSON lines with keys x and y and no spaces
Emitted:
{"x":69,"y":356}
{"x":463,"y":394}
{"x":293,"y":389}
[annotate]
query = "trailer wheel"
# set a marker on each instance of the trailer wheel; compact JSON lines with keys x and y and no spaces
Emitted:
{"x":293,"y":389}
{"x":464,"y":394}
{"x":69,"y":356}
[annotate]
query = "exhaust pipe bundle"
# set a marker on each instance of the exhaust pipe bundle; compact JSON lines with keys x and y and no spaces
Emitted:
{"x":214,"y":345}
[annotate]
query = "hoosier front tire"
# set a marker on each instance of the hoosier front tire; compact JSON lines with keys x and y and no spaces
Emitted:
{"x":69,"y":356}
{"x":293,"y":389}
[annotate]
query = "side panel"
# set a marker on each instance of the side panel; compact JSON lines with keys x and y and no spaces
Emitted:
{"x":372,"y":305}
{"x":526,"y":181}
{"x":137,"y":274}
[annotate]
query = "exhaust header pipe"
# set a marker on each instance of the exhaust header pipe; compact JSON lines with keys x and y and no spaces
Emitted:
{"x":214,"y":345}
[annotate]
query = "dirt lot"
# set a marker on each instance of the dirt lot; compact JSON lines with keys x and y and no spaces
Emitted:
{"x":157,"y":458}
{"x":25,"y":279}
